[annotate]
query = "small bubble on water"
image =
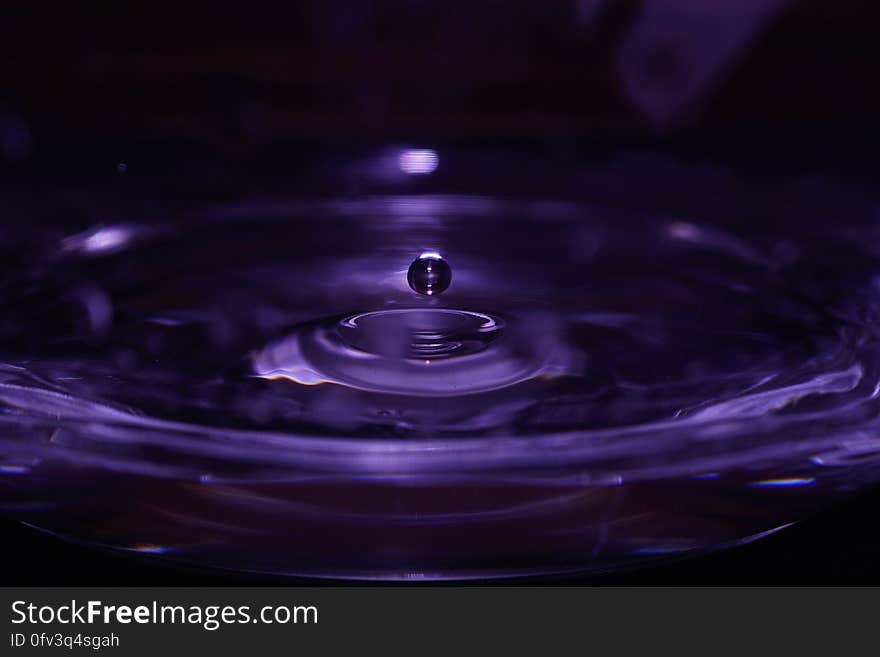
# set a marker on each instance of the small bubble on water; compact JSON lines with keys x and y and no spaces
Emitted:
{"x":429,"y":274}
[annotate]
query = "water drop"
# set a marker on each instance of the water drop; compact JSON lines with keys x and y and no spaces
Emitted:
{"x":429,"y":274}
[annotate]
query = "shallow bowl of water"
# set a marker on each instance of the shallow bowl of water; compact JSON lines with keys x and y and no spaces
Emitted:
{"x":443,"y":382}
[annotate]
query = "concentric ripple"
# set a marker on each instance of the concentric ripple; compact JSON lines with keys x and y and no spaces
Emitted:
{"x":246,"y":390}
{"x":420,"y":352}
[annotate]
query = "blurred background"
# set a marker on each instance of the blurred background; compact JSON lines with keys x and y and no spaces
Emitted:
{"x":237,"y":79}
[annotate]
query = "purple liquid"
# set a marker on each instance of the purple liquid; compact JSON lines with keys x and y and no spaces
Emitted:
{"x":255,"y":386}
{"x":429,"y":274}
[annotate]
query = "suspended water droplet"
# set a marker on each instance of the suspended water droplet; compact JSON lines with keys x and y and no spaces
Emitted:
{"x":429,"y":274}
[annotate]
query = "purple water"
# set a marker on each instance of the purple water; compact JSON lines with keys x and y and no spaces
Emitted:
{"x":254,"y":383}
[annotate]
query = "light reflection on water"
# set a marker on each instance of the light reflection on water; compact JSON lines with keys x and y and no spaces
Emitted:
{"x":594,"y":387}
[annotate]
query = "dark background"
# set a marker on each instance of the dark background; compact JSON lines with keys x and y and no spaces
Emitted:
{"x":234,"y":79}
{"x":837,"y":547}
{"x":93,"y":82}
